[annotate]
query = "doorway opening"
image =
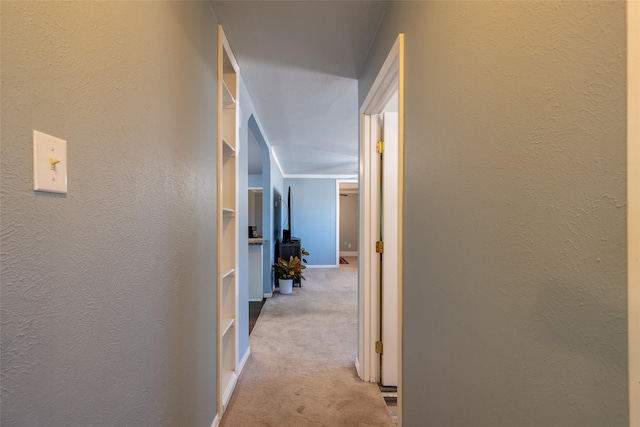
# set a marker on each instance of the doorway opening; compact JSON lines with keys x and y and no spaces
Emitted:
{"x":380,"y":243}
{"x":346,"y":219}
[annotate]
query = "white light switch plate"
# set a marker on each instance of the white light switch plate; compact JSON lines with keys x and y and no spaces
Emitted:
{"x":49,"y":163}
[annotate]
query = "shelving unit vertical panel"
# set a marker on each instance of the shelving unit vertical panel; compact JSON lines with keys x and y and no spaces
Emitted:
{"x":227,"y":281}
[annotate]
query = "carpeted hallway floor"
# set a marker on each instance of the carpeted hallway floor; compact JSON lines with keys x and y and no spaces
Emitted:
{"x":301,"y":369}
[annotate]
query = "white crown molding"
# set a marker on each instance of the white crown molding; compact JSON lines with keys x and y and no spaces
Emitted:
{"x":273,"y":153}
{"x":318,"y":176}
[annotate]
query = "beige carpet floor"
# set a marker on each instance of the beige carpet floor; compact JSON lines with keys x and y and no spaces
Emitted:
{"x":301,"y":369}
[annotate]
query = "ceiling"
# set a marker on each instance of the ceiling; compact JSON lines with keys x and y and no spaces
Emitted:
{"x":300,"y":61}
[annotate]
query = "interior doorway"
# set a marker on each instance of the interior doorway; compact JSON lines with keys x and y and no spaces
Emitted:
{"x":346,"y":219}
{"x":256,"y":246}
{"x":380,"y":243}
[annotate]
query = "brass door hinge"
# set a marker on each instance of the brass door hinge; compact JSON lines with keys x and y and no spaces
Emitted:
{"x":380,"y":147}
{"x":379,"y":347}
{"x":379,"y":247}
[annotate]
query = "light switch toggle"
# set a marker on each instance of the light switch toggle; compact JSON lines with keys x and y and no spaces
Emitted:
{"x":53,"y":161}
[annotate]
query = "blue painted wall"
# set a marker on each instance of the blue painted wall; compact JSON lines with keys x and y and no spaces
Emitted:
{"x":250,"y":128}
{"x":277,"y":185}
{"x":255,"y":180}
{"x":269,"y":175}
{"x":109,"y":298}
{"x":314,"y":217}
{"x":514,"y":219}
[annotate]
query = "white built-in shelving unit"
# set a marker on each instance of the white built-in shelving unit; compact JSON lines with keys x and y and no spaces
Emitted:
{"x":227,"y":222}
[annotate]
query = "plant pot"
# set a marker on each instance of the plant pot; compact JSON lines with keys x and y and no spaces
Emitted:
{"x":286,"y":286}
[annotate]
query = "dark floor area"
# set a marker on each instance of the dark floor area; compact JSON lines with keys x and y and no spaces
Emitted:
{"x":390,"y":395}
{"x":255,"y":307}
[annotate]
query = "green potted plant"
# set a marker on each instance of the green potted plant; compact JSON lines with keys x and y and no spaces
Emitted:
{"x":289,"y":269}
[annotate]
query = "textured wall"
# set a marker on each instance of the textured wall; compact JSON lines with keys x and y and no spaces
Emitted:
{"x":514,"y":243}
{"x":633,"y":200}
{"x":108,"y":293}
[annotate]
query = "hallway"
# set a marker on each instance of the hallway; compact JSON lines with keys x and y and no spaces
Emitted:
{"x":301,"y":369}
{"x":520,"y":227}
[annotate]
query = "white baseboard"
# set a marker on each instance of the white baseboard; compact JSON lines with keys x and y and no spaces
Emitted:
{"x":216,"y":421}
{"x":255,"y":300}
{"x":358,"y":369}
{"x":228,"y":391}
{"x":322,"y":266}
{"x":348,"y":253}
{"x":268,"y":294}
{"x":244,"y":360}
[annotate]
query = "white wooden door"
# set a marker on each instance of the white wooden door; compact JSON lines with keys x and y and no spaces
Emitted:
{"x":389,"y":266}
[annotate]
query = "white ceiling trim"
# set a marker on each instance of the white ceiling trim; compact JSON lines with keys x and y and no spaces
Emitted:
{"x":317,"y":176}
{"x":273,"y":153}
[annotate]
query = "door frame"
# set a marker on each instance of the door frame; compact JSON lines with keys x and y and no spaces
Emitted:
{"x":633,"y":206}
{"x":390,"y":79}
{"x":389,"y":229}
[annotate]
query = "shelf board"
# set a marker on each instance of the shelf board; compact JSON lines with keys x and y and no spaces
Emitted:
{"x":227,"y":323}
{"x":229,"y":273}
{"x":228,"y":212}
{"x":227,"y":149}
{"x":228,"y":100}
